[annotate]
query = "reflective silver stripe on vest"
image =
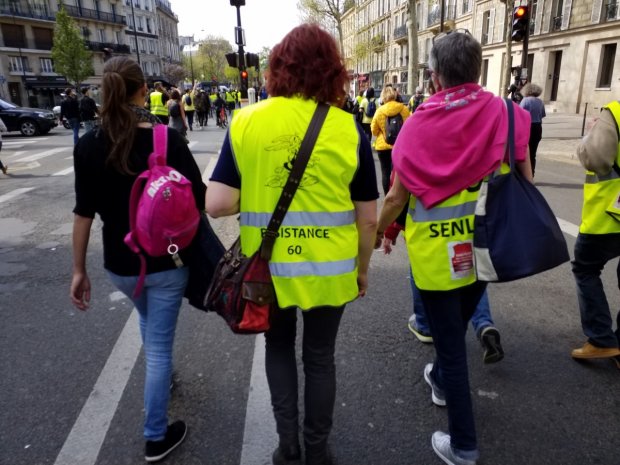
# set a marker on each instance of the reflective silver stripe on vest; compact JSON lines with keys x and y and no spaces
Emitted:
{"x":422,"y":215}
{"x":290,"y":270}
{"x":260,"y":220}
{"x":593,"y":178}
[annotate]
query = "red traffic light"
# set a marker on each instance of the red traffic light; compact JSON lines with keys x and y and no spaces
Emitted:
{"x":520,"y":12}
{"x":244,"y":74}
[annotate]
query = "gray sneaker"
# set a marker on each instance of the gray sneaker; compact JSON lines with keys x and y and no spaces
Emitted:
{"x":490,"y":341}
{"x":423,"y":336}
{"x":442,"y":447}
{"x":437,"y":394}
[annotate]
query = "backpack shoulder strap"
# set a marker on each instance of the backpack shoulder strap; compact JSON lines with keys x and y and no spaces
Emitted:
{"x":160,"y":145}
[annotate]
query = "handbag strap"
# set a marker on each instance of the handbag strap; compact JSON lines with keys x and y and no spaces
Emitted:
{"x":511,"y":133}
{"x":294,"y":179}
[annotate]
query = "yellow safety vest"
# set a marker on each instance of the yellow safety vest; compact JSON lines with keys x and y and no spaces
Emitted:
{"x":314,"y":260}
{"x":229,"y":97}
{"x":157,"y":104}
{"x":602,"y":193}
{"x":440,"y":240}
{"x":187,"y":107}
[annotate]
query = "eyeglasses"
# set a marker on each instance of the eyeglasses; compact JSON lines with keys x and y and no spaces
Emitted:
{"x":441,"y":35}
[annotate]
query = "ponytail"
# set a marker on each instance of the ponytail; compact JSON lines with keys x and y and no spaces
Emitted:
{"x":122,"y":78}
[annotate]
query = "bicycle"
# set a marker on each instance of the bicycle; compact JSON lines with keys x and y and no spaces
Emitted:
{"x":222,"y":118}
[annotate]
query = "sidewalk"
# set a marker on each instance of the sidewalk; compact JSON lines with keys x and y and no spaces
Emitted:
{"x":560,"y":136}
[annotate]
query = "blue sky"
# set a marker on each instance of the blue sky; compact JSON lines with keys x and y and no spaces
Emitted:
{"x":265,"y":22}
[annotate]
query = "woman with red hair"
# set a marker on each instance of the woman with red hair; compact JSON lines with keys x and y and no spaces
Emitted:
{"x":320,"y":258}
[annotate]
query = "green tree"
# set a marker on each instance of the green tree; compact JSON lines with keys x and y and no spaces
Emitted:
{"x":328,"y":13}
{"x":210,"y":60}
{"x":174,"y":73}
{"x":412,"y":31}
{"x":71,"y":57}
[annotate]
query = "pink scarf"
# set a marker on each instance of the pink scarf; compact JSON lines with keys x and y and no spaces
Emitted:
{"x":453,"y":140}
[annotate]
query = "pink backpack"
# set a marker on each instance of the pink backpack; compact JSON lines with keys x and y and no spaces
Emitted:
{"x":163,"y":217}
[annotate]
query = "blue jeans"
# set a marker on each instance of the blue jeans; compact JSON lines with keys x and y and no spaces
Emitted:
{"x":158,"y":306}
{"x":592,"y":252}
{"x":89,"y":124}
{"x":448,"y":314}
{"x":75,"y":125}
{"x":480,"y":320}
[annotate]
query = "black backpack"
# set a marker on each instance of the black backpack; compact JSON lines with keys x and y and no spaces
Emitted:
{"x":188,"y":100}
{"x":371,"y":108}
{"x":392,"y":128}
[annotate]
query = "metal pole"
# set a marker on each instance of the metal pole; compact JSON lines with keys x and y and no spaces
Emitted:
{"x":442,"y":15}
{"x":191,"y":63}
{"x":135,"y":32}
{"x":526,"y":41}
{"x":21,"y":58}
{"x":583,"y":125}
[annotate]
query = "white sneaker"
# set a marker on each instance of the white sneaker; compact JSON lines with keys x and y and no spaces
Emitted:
{"x":442,"y":447}
{"x":437,"y":394}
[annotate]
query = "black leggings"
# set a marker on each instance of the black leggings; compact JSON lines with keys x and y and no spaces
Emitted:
{"x":385,"y":158}
{"x":535,"y":136}
{"x":319,"y":342}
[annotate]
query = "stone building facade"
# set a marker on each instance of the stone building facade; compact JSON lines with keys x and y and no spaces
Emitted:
{"x":27,"y":75}
{"x":572,"y":50}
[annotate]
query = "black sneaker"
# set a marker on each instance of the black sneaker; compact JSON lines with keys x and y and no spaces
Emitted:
{"x":287,"y":455}
{"x":489,"y":339}
{"x":157,"y":450}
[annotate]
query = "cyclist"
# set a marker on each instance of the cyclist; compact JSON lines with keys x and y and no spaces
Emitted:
{"x":219,"y":104}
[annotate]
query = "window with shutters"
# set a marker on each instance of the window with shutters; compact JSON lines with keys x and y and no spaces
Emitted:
{"x":556,"y":15}
{"x":486,"y":22}
{"x":102,"y":35}
{"x":606,"y":70}
{"x":534,"y":17}
{"x":485,"y":72}
{"x":13,"y":35}
{"x":19,"y":64}
{"x":611,"y":11}
{"x":47,"y":65}
{"x":43,"y":38}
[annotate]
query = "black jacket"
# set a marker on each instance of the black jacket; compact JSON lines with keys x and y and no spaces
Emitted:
{"x":69,"y":108}
{"x":88,"y":109}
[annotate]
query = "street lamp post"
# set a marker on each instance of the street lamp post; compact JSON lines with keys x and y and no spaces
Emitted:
{"x":240,"y":41}
{"x":191,"y":62}
{"x":135,"y":32}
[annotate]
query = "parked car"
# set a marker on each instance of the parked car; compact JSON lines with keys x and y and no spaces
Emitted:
{"x":28,"y":121}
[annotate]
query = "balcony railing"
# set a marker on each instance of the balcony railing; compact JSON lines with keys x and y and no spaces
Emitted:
{"x":78,"y":12}
{"x":99,"y":46}
{"x":556,"y":24}
{"x":435,"y":16}
{"x":26,"y":10}
{"x":377,"y":43}
{"x":400,"y":32}
{"x":611,"y":11}
{"x":19,"y":69}
{"x":164,"y":5}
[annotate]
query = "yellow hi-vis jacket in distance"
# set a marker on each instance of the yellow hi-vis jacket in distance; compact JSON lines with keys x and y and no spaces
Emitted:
{"x":601,"y":194}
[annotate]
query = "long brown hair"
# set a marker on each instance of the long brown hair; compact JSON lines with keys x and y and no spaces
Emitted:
{"x":122,"y":78}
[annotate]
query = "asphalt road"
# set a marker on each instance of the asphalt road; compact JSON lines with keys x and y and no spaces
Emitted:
{"x":72,"y":382}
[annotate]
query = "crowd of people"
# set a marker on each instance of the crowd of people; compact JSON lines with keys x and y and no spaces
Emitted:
{"x":433,"y":153}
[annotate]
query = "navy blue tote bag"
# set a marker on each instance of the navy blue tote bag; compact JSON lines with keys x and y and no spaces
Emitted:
{"x":515,"y":232}
{"x":206,"y":253}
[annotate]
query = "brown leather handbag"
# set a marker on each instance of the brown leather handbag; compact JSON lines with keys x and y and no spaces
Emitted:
{"x":242,"y":291}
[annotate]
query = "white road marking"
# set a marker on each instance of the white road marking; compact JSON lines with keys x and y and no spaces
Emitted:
{"x":259,"y":433}
{"x":64,"y":172}
{"x":86,"y":437}
{"x":38,"y":156}
{"x":16,"y":154}
{"x":15,"y":193}
{"x":568,"y":228}
{"x":17,"y":143}
{"x":206,"y":174}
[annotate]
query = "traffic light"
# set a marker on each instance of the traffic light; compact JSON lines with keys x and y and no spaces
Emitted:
{"x":520,"y":23}
{"x":252,"y":59}
{"x":232,"y":59}
{"x":244,"y":81}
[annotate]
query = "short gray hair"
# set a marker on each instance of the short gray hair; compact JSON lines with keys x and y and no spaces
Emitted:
{"x":456,"y":59}
{"x":531,"y":90}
